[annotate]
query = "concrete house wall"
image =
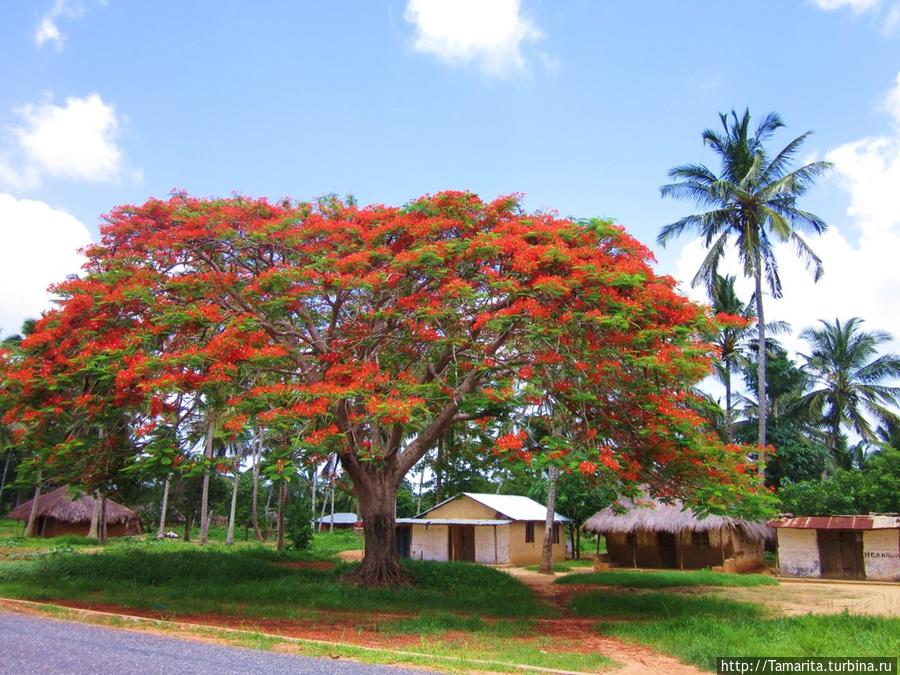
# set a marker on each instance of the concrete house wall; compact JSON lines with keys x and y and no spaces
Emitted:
{"x":881,"y":554}
{"x":494,"y":544}
{"x":798,"y":553}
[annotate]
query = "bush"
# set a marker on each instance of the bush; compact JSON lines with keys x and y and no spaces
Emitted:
{"x":297,"y":529}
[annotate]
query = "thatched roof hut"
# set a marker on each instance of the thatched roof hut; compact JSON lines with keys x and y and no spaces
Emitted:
{"x":58,"y":514}
{"x":651,"y":533}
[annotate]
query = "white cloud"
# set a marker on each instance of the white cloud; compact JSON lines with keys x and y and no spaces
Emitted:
{"x":886,"y":12}
{"x":38,"y":247}
{"x":48,"y":31}
{"x":77,"y":140}
{"x":861,"y":279}
{"x":490,"y":33}
{"x":853,"y":5}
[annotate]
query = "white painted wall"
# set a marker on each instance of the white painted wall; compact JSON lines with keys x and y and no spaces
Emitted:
{"x":429,"y":542}
{"x":881,"y":554}
{"x":798,"y":553}
{"x":491,"y":550}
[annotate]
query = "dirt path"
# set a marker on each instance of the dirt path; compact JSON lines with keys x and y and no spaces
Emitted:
{"x":580,"y":632}
{"x":799,"y":596}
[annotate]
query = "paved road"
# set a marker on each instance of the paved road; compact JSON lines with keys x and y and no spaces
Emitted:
{"x":38,"y":645}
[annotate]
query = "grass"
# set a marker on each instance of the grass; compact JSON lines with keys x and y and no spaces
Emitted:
{"x":177,"y":580}
{"x":668,"y":578}
{"x":565,"y":565}
{"x":638,"y":605}
{"x":700,"y":639}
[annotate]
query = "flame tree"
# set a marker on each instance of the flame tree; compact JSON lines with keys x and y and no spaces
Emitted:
{"x":369,"y":332}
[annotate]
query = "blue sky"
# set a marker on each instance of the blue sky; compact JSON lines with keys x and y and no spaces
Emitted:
{"x":582,"y":106}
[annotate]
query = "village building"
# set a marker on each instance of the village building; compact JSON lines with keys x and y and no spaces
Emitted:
{"x":484,"y":528}
{"x":654,"y":534}
{"x":59,"y":514}
{"x":340,"y":520}
{"x":839,"y":547}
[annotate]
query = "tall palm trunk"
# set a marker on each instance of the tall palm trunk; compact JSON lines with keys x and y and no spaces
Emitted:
{"x":5,"y":469}
{"x":282,"y":501}
{"x":761,"y":364}
{"x":33,"y":516}
{"x":103,"y":501}
{"x":203,"y":537}
{"x":547,"y":552}
{"x":94,"y":530}
{"x":254,"y":500}
{"x":161,"y":531}
{"x":729,"y":425}
{"x":238,"y":456}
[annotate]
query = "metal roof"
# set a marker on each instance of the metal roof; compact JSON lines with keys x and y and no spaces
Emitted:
{"x":838,"y":522}
{"x":343,"y":518}
{"x":514,"y":507}
{"x":450,"y":521}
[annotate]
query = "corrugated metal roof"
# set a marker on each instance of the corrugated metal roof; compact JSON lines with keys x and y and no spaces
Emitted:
{"x":838,"y":522}
{"x":515,"y":507}
{"x":450,"y":521}
{"x":342,"y":518}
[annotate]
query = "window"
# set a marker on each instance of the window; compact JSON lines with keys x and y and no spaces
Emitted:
{"x":700,"y":539}
{"x":555,"y":533}
{"x":529,"y":533}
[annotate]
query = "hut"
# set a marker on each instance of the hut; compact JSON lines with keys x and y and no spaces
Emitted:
{"x":839,"y":547}
{"x":59,"y":514}
{"x":340,"y":521}
{"x":484,"y":528}
{"x":649,"y":533}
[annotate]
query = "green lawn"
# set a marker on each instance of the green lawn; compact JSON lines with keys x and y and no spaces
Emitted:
{"x":249,"y":581}
{"x":565,"y":565}
{"x":658,"y":606}
{"x":700,"y":639}
{"x":667,"y":578}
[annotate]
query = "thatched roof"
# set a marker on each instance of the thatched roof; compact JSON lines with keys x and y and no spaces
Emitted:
{"x":655,"y":516}
{"x":58,"y":505}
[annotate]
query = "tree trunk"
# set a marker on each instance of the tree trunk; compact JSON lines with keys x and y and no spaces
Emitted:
{"x":161,"y":531}
{"x":729,"y":426}
{"x":546,"y":566}
{"x":229,"y":537}
{"x":333,"y":485}
{"x":282,"y":501}
{"x":254,"y":500}
{"x":380,"y":566}
{"x":94,"y":531}
{"x":188,"y":526}
{"x":203,"y":537}
{"x":438,"y":477}
{"x":9,"y":454}
{"x":761,"y":365}
{"x":314,"y":481}
{"x":33,"y":516}
{"x":102,"y":538}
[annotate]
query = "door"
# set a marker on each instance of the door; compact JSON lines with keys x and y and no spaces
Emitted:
{"x":404,"y":541}
{"x":462,"y":542}
{"x":665,"y":542}
{"x":841,"y":554}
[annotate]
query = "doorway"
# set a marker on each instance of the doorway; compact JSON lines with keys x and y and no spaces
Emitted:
{"x":462,"y":543}
{"x":665,"y":543}
{"x":841,"y":554}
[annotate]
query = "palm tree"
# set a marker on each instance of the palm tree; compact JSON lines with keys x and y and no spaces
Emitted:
{"x":754,"y":202}
{"x":847,"y":374}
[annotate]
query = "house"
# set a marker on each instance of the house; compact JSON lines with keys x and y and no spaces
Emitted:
{"x":650,"y":533}
{"x":59,"y":514}
{"x":341,"y":520}
{"x":839,"y":547}
{"x":484,"y":528}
